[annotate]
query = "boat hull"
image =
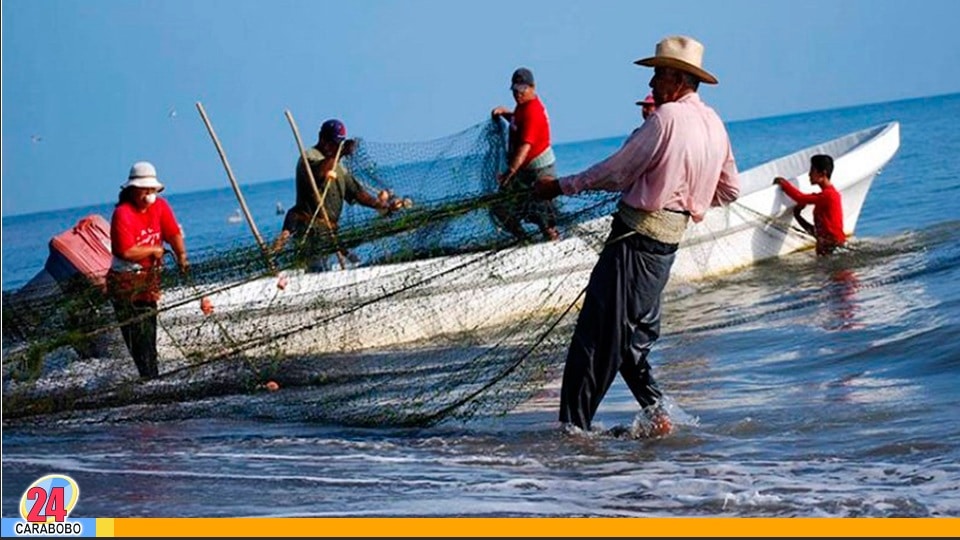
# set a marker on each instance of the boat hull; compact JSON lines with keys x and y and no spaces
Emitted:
{"x":432,"y":300}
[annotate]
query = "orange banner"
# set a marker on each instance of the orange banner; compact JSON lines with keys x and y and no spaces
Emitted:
{"x":534,"y":527}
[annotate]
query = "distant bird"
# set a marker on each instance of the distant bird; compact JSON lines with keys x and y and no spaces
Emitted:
{"x":172,"y":113}
{"x":36,"y":138}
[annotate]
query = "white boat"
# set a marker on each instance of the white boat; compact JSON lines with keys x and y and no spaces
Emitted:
{"x":455,"y":297}
{"x":757,"y":225}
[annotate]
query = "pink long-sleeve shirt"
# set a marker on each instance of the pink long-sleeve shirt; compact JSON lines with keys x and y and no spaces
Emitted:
{"x":679,"y":159}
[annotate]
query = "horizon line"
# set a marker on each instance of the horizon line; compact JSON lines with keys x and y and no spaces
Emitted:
{"x":566,"y":143}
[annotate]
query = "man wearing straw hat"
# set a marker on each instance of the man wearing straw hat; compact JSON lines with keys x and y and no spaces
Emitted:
{"x":671,"y":170}
{"x":332,"y":183}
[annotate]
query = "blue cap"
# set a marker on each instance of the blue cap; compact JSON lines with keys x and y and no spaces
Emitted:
{"x":334,"y":131}
{"x":521,"y":77}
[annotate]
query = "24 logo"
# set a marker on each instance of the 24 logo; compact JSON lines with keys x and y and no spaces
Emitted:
{"x":46,"y":504}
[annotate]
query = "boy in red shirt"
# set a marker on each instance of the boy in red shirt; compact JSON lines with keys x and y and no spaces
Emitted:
{"x":827,"y":225}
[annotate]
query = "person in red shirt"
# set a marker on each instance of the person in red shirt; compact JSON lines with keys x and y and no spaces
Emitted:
{"x":140,"y":225}
{"x":530,"y":158}
{"x":647,"y":106}
{"x":827,"y":225}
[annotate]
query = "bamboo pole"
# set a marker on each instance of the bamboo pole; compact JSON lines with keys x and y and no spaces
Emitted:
{"x":316,"y":193}
{"x":327,"y":182}
{"x":236,"y":190}
{"x":321,"y":197}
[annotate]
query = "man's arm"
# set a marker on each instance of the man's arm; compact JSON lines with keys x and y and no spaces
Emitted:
{"x":368,"y":200}
{"x":280,"y":241}
{"x":728,"y":189}
{"x":622,"y":168}
{"x":806,"y":225}
{"x":354,"y":191}
{"x":518,"y":160}
{"x":180,"y":250}
{"x":173,"y":234}
{"x":794,"y":193}
{"x":501,"y":111}
{"x":139,"y":253}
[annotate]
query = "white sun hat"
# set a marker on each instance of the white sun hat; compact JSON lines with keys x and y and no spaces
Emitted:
{"x":143,"y":175}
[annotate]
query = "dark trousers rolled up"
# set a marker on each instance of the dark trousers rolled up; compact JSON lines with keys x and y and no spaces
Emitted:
{"x":138,"y":324}
{"x":619,"y":322}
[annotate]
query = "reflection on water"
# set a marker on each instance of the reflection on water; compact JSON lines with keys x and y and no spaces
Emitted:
{"x":842,"y":300}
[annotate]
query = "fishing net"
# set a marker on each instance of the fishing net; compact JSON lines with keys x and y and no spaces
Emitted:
{"x":428,"y":313}
{"x":431,"y":313}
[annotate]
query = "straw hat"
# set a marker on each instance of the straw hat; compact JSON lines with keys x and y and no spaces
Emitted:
{"x":143,"y":175}
{"x":680,"y":52}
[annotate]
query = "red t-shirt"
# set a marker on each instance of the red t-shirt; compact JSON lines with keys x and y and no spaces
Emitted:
{"x":827,"y":211}
{"x":530,"y":125}
{"x":152,"y":227}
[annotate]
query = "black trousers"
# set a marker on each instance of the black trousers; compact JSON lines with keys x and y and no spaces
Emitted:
{"x":618,"y":324}
{"x":138,"y":324}
{"x":521,"y":206}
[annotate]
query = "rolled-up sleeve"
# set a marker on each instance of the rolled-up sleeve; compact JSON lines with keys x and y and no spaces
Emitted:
{"x":620,"y":170}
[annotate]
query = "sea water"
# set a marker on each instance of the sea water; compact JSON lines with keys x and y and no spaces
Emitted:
{"x":803,"y":387}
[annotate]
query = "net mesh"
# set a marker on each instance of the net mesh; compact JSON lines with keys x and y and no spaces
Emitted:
{"x":435,"y":312}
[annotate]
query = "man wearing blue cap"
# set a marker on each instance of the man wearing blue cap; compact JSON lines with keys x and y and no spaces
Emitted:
{"x":530,"y":159}
{"x":334,"y":184}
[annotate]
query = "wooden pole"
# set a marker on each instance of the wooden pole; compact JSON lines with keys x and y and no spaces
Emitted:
{"x":327,"y":182}
{"x":316,"y":193}
{"x":236,"y":189}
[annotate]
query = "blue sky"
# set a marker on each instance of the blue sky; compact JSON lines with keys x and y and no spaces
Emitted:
{"x":89,"y":87}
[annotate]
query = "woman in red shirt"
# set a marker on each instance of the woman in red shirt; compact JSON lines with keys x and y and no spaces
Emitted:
{"x":141,"y":224}
{"x":827,"y":225}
